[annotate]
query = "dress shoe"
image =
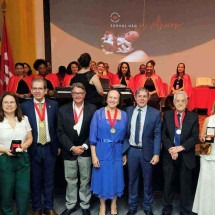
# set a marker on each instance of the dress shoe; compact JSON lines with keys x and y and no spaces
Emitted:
{"x":69,"y":211}
{"x":49,"y":212}
{"x":131,"y":212}
{"x":149,"y":212}
{"x":86,"y":212}
{"x":37,"y":213}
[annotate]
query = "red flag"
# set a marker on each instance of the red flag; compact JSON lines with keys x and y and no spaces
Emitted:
{"x":7,"y":66}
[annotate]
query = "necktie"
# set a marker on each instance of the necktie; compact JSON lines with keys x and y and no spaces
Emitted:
{"x":178,"y":136}
{"x":42,"y":128}
{"x":137,"y":128}
{"x":179,"y":119}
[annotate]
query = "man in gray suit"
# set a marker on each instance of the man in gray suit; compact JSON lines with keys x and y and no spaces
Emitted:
{"x":73,"y":132}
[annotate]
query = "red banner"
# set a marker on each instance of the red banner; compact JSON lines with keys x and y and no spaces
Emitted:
{"x":7,"y":65}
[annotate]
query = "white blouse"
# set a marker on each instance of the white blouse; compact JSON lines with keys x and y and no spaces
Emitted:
{"x":8,"y":133}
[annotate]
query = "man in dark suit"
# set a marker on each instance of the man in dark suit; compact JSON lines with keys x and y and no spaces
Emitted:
{"x":73,"y":132}
{"x":42,"y":115}
{"x":143,"y":145}
{"x":179,"y":135}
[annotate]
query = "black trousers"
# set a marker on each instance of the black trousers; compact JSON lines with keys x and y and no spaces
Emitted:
{"x":171,"y":171}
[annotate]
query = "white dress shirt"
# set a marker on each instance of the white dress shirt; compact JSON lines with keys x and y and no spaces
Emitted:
{"x":133,"y":125}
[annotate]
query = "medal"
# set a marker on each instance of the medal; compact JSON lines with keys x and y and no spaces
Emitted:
{"x":112,"y":121}
{"x":178,"y":131}
{"x":75,"y":127}
{"x":42,"y":124}
{"x":112,"y":130}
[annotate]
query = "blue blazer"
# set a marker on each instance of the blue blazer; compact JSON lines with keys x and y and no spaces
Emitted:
{"x":151,"y":137}
{"x":52,"y":111}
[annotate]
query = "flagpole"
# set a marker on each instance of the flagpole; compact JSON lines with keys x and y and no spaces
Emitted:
{"x":3,"y":7}
{"x":7,"y":65}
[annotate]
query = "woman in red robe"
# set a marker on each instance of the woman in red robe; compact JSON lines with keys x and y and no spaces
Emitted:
{"x":123,"y":76}
{"x":153,"y":83}
{"x":18,"y":85}
{"x":179,"y":82}
{"x":40,"y":65}
{"x":72,"y":68}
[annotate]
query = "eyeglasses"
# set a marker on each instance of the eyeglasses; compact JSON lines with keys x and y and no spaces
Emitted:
{"x":77,"y":94}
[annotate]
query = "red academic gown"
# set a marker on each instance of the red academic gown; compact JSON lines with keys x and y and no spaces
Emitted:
{"x":156,"y":80}
{"x":67,"y":79}
{"x":52,"y":78}
{"x":187,"y":84}
{"x":130,"y":81}
{"x":13,"y":84}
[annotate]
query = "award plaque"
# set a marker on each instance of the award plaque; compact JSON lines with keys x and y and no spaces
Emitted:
{"x":210,"y":133}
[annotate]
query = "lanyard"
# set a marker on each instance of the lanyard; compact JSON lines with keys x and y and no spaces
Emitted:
{"x":77,"y":117}
{"x":112,"y":122}
{"x":40,"y":115}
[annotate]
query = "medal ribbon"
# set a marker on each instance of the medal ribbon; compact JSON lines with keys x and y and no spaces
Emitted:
{"x":112,"y":121}
{"x":76,"y":117}
{"x":176,"y":119}
{"x":40,"y":115}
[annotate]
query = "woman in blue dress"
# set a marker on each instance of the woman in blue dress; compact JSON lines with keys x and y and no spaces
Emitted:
{"x":107,"y":132}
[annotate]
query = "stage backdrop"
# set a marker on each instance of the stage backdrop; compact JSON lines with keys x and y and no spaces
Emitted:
{"x":167,"y":31}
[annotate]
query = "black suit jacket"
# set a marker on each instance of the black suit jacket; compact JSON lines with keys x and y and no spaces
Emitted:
{"x":189,"y":137}
{"x":52,"y":110}
{"x":67,"y":135}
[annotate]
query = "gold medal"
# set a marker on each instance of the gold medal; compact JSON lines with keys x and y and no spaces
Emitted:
{"x":112,"y":130}
{"x":75,"y":127}
{"x":42,"y":124}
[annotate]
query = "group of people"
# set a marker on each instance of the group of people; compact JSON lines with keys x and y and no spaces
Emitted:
{"x":91,"y":74}
{"x":106,"y":138}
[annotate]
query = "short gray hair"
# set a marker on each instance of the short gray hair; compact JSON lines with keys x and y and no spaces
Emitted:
{"x":78,"y":85}
{"x":180,"y":93}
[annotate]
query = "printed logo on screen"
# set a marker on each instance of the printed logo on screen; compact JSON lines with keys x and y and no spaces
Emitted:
{"x":114,"y":17}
